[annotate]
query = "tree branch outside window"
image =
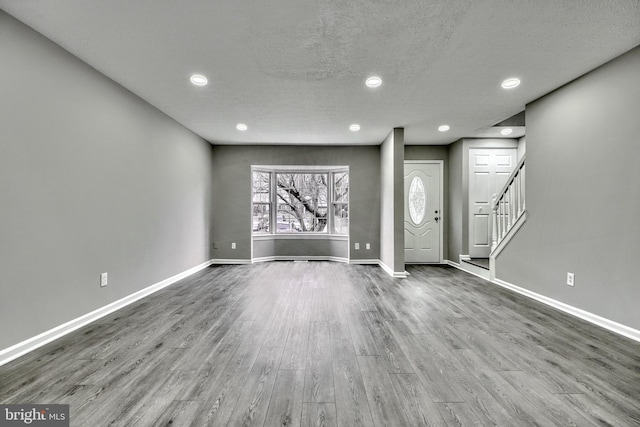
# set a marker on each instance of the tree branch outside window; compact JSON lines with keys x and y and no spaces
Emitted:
{"x":301,"y":201}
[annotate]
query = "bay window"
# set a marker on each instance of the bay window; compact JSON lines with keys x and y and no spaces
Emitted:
{"x":300,"y":200}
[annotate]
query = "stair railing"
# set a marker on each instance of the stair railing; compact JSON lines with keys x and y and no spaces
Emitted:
{"x":509,"y":204}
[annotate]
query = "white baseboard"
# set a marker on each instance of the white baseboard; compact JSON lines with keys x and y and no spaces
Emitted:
{"x":299,"y":258}
{"x":462,"y":257}
{"x":443,"y":262}
{"x":473,"y":269}
{"x":390,"y":272}
{"x":263,"y":259}
{"x":385,"y":267}
{"x":365,"y":261}
{"x":610,"y":325}
{"x":230,"y":261}
{"x":17,"y":350}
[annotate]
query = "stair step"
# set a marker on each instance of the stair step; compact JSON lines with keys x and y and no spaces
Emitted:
{"x":478,"y":262}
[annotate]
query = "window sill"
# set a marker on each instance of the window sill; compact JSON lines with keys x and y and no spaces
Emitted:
{"x":301,"y":236}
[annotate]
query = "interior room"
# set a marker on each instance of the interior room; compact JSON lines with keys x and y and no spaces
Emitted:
{"x":320,"y":213}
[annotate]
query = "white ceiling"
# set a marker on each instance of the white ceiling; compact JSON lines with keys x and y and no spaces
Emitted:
{"x":294,"y":70}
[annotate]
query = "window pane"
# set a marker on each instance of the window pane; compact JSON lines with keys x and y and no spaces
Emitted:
{"x":302,"y":202}
{"x":341,"y":218}
{"x":261,"y":186}
{"x":316,"y":222}
{"x":261,"y":218}
{"x":417,"y":200}
{"x":288,"y":222}
{"x":341,"y":187}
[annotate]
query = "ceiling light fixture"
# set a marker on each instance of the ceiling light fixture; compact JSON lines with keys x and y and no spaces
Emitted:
{"x":510,"y":83}
{"x":507,"y":131}
{"x":242,"y":127}
{"x":374,"y":81}
{"x":198,"y":80}
{"x":443,"y":128}
{"x":354,"y":127}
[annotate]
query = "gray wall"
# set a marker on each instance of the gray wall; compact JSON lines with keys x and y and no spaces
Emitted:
{"x":294,"y":248}
{"x":426,"y":152}
{"x":456,"y":195}
{"x":522,"y":147}
{"x":232,"y":193}
{"x":392,"y":201}
{"x":583,"y":195}
{"x":92,"y":180}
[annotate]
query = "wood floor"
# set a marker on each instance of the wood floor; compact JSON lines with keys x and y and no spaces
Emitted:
{"x":321,"y":343}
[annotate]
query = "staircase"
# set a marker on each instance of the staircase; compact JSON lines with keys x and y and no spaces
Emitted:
{"x":477,"y":266}
{"x":509,"y":210}
{"x":509,"y":213}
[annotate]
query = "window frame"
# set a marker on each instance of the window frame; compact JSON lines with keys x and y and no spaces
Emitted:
{"x":333,"y":202}
{"x":269,"y":203}
{"x":330,"y":231}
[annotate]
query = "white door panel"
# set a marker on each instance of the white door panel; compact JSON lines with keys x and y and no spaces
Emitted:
{"x":423,"y":212}
{"x":489,"y":169}
{"x":409,"y":238}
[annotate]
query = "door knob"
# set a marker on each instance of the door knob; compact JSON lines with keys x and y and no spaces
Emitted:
{"x":436,"y":219}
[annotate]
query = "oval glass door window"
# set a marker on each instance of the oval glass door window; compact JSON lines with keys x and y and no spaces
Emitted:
{"x":417,"y":200}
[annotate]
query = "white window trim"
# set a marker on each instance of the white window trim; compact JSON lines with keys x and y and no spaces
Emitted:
{"x":300,"y":236}
{"x":298,"y":168}
{"x":273,"y":234}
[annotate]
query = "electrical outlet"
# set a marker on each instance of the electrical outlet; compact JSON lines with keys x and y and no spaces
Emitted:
{"x":104,"y":280}
{"x":233,"y":245}
{"x":570,"y":279}
{"x":367,"y":246}
{"x":357,"y":246}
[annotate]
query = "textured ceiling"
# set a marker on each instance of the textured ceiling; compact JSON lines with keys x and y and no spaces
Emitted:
{"x":294,"y":70}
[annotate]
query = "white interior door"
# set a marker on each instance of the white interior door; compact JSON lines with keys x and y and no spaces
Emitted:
{"x":422,"y":212}
{"x":489,"y":170}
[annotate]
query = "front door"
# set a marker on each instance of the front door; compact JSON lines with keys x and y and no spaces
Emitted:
{"x":422,"y":212}
{"x":490,"y":169}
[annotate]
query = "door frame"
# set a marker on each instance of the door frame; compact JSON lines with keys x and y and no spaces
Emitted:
{"x":440,"y":202}
{"x":469,"y":209}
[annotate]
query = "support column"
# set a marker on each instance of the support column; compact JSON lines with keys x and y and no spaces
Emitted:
{"x":392,"y":203}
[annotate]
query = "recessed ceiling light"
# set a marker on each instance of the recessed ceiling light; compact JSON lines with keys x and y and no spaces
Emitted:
{"x":507,"y":131}
{"x":354,"y":127}
{"x":199,"y":80}
{"x":443,"y":128}
{"x":242,"y":127}
{"x":374,"y":81}
{"x":510,"y":83}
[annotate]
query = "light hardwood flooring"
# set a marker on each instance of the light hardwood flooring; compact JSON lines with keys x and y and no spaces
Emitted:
{"x":322,"y":343}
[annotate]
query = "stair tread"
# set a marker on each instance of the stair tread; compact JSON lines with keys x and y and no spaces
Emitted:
{"x":478,"y":262}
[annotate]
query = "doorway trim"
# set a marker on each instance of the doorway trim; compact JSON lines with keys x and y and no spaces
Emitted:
{"x":441,"y":202}
{"x":473,"y":252}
